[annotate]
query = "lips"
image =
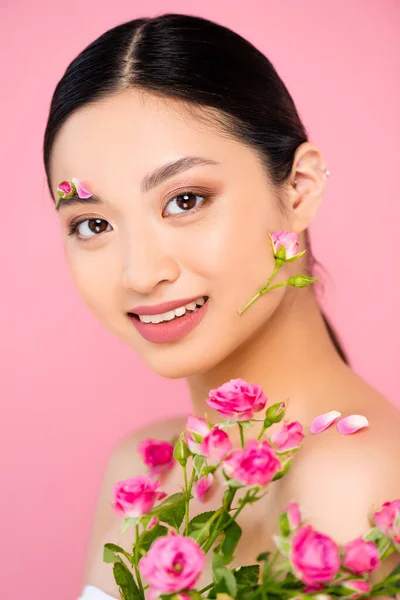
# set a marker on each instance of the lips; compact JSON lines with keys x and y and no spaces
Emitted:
{"x":160,"y":309}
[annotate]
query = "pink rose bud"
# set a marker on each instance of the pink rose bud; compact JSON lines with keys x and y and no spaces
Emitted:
{"x":152,"y":523}
{"x":352,"y":424}
{"x":197,"y":428}
{"x":237,"y":400}
{"x":157,"y":455}
{"x":289,"y":241}
{"x":81,"y":190}
{"x":255,"y":465}
{"x":359,"y":586}
{"x":361,"y":556}
{"x":387,"y":519}
{"x":294,"y":516}
{"x":173,"y":563}
{"x":216,"y":444}
{"x":322,"y":422}
{"x":136,"y":496}
{"x":288,"y":437}
{"x":314,"y":556}
{"x":202,"y":486}
{"x":65,"y":189}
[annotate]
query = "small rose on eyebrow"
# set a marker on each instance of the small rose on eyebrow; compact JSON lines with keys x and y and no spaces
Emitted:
{"x":68,"y":188}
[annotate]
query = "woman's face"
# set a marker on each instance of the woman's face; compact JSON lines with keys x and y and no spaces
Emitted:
{"x":147,"y":246}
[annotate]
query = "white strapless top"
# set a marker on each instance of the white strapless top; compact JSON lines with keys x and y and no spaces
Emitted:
{"x":91,"y":592}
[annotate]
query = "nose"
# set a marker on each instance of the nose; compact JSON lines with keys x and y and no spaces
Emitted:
{"x":147,"y":262}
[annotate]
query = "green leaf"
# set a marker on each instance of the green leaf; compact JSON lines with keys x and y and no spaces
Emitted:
{"x":372,"y":535}
{"x":127,"y":585}
{"x":283,"y":544}
{"x":247,"y":576}
{"x":296,"y":257}
{"x":284,"y":524}
{"x":231,"y":536}
{"x":110,"y":556}
{"x":263,"y":556}
{"x":171,"y":510}
{"x":223,"y":577}
{"x":148,"y":537}
{"x":200,"y":526}
{"x":198,"y":464}
{"x":234,"y":483}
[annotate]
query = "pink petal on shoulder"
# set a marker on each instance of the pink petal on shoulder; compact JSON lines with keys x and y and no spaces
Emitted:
{"x":324,"y":421}
{"x":351,"y":424}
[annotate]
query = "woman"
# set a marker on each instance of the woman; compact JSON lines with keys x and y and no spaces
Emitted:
{"x":194,"y":151}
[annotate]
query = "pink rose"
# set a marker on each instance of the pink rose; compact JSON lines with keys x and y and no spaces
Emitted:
{"x":388,"y":520}
{"x":136,"y":496}
{"x":202,"y":486}
{"x":256,"y":464}
{"x":314,"y":556}
{"x":237,"y":400}
{"x":288,"y":437}
{"x":361,"y":556}
{"x":156,"y":454}
{"x":173,"y":563}
{"x":288,"y":240}
{"x":216,"y":444}
{"x":359,"y":586}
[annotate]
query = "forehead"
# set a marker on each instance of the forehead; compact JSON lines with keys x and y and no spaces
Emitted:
{"x":117,"y":139}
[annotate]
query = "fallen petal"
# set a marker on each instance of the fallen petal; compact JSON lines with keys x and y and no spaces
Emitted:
{"x":351,"y":424}
{"x":324,"y":421}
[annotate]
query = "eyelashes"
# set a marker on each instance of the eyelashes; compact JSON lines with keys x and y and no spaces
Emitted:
{"x":187,"y":201}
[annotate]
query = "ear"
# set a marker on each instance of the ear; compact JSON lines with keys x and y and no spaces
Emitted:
{"x":307,"y":186}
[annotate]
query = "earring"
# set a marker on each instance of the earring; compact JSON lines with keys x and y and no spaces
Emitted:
{"x":326,"y":171}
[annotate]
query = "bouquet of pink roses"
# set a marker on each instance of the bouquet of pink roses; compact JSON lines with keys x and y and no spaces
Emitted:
{"x":168,"y":556}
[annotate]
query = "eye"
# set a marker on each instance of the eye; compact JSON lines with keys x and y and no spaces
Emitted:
{"x":187,"y":202}
{"x":94,"y":226}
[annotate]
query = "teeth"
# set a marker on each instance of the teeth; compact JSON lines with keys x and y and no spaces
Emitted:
{"x":177,"y":312}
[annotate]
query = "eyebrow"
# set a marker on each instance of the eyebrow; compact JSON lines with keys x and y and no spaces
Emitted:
{"x":150,"y":180}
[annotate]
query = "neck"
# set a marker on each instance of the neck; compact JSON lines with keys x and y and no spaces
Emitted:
{"x":292,"y":357}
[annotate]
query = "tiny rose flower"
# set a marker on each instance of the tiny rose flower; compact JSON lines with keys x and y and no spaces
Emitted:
{"x":255,"y":465}
{"x":361,"y":556}
{"x":237,"y":399}
{"x":359,"y":586}
{"x":65,"y":189}
{"x":387,"y":519}
{"x":152,"y":523}
{"x":196,"y":430}
{"x":157,"y":455}
{"x":173,"y":563}
{"x":216,"y":445}
{"x":136,"y":496}
{"x":288,"y":437}
{"x":324,"y":421}
{"x":287,"y":240}
{"x":314,"y":556}
{"x":202,"y":486}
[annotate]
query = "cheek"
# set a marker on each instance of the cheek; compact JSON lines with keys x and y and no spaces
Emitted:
{"x":94,"y":276}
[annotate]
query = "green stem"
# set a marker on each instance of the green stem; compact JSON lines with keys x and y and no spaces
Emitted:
{"x":241,"y":435}
{"x":204,"y":589}
{"x":138,"y":578}
{"x":227,"y":505}
{"x":261,"y":291}
{"x":186,"y":500}
{"x":270,"y":565}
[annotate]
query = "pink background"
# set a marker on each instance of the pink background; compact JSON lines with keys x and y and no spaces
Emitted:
{"x":69,"y":389}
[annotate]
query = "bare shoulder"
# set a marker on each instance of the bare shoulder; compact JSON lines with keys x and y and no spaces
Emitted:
{"x":123,"y":462}
{"x":340,"y":479}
